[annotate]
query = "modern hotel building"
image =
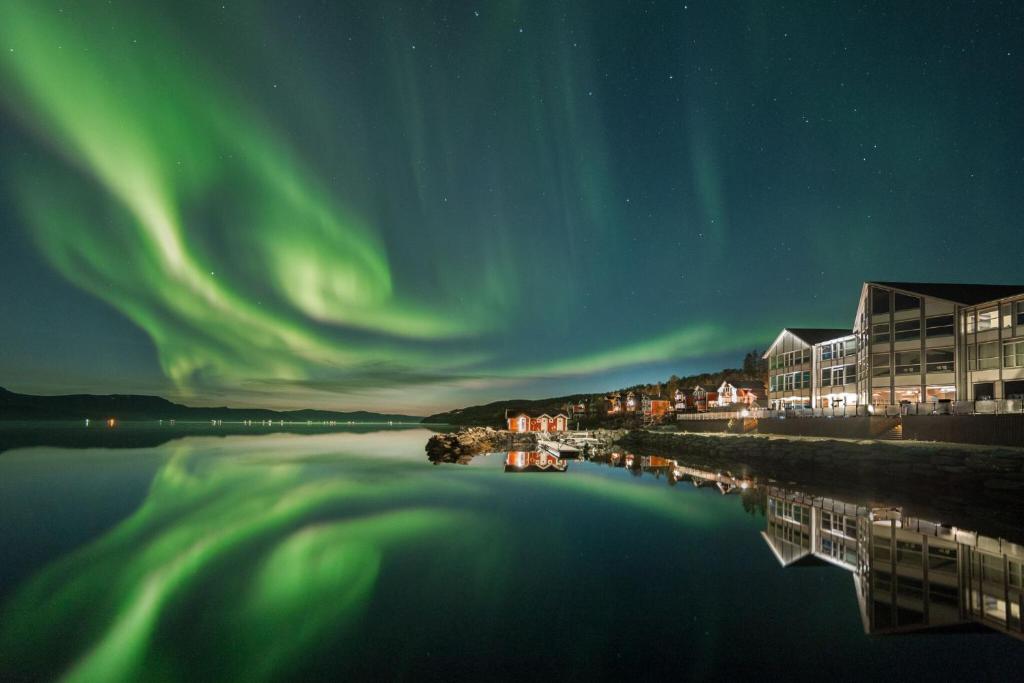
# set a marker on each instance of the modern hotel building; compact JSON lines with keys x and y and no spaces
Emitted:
{"x":911,"y":342}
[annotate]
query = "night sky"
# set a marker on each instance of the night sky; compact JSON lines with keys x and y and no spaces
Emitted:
{"x":421,"y":205}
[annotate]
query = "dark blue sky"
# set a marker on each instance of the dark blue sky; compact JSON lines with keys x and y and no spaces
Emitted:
{"x":422,"y":205}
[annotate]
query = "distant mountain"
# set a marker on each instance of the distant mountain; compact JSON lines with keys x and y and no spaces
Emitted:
{"x":132,"y":407}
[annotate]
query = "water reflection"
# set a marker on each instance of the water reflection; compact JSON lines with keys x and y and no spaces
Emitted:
{"x":248,"y":558}
{"x":534,"y":461}
{"x":909,"y":574}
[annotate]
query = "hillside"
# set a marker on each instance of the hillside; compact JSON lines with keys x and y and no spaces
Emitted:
{"x":135,"y":407}
{"x":493,"y":414}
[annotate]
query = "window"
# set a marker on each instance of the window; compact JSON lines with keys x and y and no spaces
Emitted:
{"x":907,"y":330}
{"x":881,"y":395}
{"x":879,"y":301}
{"x":850,"y":347}
{"x":939,"y":326}
{"x":905,"y":302}
{"x":970,"y":322}
{"x":1013,"y":355}
{"x":939,"y":360}
{"x":851,"y":374}
{"x":807,"y":379}
{"x":826,"y":377}
{"x":880,"y":333}
{"x":988,"y":319}
{"x":880,"y":365}
{"x":1004,"y":314}
{"x":988,"y":355}
{"x":908,"y":362}
{"x":940,"y":393}
{"x":826,"y":352}
{"x":1020,"y":312}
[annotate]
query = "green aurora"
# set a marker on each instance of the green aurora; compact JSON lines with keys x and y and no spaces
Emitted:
{"x":323,"y":206}
{"x":279,"y":540}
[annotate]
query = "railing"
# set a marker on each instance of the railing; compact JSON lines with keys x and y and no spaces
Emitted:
{"x":993,"y":407}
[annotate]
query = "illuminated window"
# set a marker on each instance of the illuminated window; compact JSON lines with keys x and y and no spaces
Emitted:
{"x":940,"y":393}
{"x":988,"y":355}
{"x":970,"y":322}
{"x":988,"y":319}
{"x":1013,"y":355}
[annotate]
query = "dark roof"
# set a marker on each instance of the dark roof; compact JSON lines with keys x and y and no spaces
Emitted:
{"x":746,"y":383}
{"x":959,"y":293}
{"x":515,"y":412}
{"x":813,"y":335}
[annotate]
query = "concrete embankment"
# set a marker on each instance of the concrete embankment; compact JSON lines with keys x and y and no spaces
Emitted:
{"x":990,"y":430}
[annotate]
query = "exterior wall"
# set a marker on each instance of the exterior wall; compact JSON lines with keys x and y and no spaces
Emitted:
{"x":994,"y":327}
{"x":543,"y":423}
{"x":790,"y":372}
{"x":908,"y":347}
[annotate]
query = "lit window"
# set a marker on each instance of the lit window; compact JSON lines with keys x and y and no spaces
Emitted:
{"x":1013,"y":355}
{"x":970,"y":322}
{"x":988,"y":355}
{"x":988,"y":319}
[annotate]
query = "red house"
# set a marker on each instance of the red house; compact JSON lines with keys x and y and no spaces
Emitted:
{"x":521,"y":421}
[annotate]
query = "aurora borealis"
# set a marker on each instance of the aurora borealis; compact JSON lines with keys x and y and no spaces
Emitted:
{"x":415,"y":206}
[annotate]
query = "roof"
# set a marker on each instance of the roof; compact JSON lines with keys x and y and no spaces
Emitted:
{"x":968,"y":294}
{"x":814,"y":335}
{"x":809,"y":336}
{"x":532,"y":414}
{"x":745,"y":383}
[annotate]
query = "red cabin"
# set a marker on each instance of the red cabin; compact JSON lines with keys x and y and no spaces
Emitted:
{"x":520,"y":421}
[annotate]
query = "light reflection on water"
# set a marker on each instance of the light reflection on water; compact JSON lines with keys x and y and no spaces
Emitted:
{"x":344,"y":554}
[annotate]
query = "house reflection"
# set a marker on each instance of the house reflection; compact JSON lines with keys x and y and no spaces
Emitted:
{"x":909,"y":574}
{"x":534,"y":461}
{"x":674,"y":473}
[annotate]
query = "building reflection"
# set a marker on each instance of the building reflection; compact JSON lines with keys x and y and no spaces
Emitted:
{"x":534,"y":461}
{"x":909,"y":574}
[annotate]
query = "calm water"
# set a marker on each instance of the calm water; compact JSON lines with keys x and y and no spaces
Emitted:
{"x":339,"y":555}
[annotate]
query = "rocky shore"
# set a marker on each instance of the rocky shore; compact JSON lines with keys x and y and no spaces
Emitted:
{"x":465,"y":443}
